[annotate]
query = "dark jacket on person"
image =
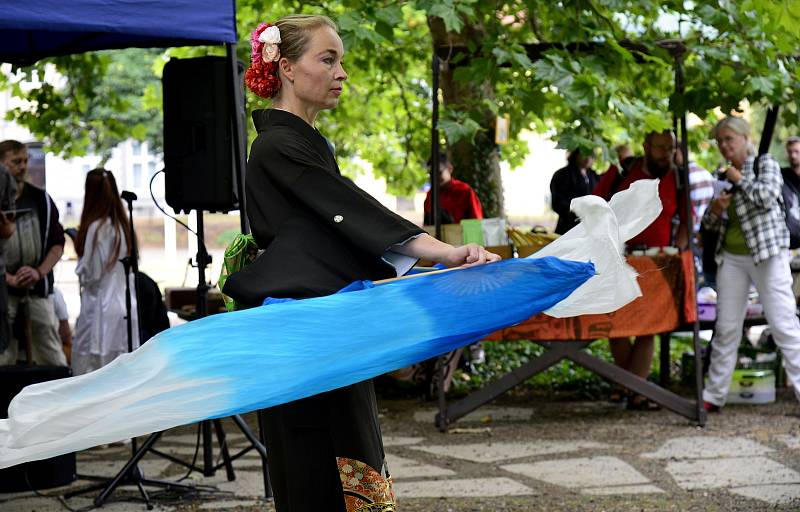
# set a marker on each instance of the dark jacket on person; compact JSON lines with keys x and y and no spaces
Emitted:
{"x":318,"y":230}
{"x":152,"y":310}
{"x":791,"y":205}
{"x":567,"y":184}
{"x":50,"y":231}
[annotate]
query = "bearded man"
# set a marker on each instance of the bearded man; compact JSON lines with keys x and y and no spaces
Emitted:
{"x":636,"y":355}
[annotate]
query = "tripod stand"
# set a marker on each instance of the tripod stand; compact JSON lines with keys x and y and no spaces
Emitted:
{"x":208,"y":468}
{"x":131,"y":474}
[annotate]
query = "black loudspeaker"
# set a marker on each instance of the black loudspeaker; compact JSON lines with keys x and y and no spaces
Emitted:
{"x":40,"y":474}
{"x":198,"y":135}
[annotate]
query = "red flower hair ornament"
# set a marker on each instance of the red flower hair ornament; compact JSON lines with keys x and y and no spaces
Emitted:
{"x":262,"y":75}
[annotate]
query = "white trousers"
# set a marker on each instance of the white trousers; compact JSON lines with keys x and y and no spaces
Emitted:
{"x":773,"y":280}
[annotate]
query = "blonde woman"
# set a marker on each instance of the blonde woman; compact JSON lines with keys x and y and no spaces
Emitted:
{"x":319,"y":233}
{"x":752,"y":248}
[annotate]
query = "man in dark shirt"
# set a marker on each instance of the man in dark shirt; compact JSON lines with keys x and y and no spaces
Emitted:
{"x":791,"y":190}
{"x":577,"y":179}
{"x":457,"y":200}
{"x":31,"y":253}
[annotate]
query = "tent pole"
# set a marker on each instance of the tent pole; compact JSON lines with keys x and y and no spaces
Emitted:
{"x":239,"y":131}
{"x":769,"y":129}
{"x":434,"y":170}
{"x":684,"y":173}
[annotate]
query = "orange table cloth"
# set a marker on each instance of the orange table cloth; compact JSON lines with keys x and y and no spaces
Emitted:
{"x":667,"y":302}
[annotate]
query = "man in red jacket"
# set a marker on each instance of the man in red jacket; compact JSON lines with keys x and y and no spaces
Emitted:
{"x":457,"y":200}
{"x":658,"y":162}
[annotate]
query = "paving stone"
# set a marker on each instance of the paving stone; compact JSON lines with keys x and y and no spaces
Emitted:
{"x":191,"y":439}
{"x":482,"y":414}
{"x":493,"y":452}
{"x":29,"y":504}
{"x":707,"y":447}
{"x":467,"y":487}
{"x":183,"y":451}
{"x":791,"y":441}
{"x":152,"y":468}
{"x":735,"y":472}
{"x":220,"y":505}
{"x":581,"y":472}
{"x":252,"y":454}
{"x":247,"y":483}
{"x":622,"y":489}
{"x":773,"y":494}
{"x":401,"y":467}
{"x":39,"y":504}
{"x":401,"y":441}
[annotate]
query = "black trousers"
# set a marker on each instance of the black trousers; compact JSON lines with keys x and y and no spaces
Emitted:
{"x":305,"y":437}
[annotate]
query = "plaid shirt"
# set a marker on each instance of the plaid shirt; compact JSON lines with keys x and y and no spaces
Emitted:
{"x":759,"y":206}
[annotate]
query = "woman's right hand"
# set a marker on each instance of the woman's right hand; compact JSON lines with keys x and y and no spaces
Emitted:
{"x":469,"y":255}
{"x":429,"y":248}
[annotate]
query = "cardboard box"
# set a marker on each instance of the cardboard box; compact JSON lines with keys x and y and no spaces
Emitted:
{"x":504,"y":251}
{"x":752,"y":386}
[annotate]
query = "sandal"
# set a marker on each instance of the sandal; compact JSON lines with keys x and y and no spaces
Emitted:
{"x":617,"y":395}
{"x":641,"y":403}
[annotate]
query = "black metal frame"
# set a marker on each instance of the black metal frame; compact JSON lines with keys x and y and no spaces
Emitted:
{"x":678,"y":50}
{"x":572,"y":351}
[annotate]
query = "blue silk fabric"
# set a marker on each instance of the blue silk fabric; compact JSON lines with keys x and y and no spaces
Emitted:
{"x":237,"y":362}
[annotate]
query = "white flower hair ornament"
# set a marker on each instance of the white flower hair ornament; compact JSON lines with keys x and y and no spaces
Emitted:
{"x":271,"y":37}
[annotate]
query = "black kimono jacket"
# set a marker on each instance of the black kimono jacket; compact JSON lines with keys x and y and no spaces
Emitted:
{"x":320,"y":232}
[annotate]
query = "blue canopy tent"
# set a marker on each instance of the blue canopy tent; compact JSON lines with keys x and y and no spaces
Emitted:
{"x":31,"y":31}
{"x":34,"y":30}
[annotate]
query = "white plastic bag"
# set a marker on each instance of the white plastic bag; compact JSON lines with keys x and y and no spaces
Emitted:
{"x":600,"y":238}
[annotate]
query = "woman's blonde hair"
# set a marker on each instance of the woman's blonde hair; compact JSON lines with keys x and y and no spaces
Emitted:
{"x":296,"y":31}
{"x":736,"y":125}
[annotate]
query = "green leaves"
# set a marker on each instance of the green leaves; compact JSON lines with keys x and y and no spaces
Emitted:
{"x":453,"y":13}
{"x":780,"y":16}
{"x":458,"y":126}
{"x":95,"y":105}
{"x":603,"y":94}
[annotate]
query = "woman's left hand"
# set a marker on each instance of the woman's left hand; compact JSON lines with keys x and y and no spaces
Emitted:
{"x":470,"y":255}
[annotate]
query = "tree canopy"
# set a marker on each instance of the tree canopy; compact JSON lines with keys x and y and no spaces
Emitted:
{"x":617,"y":86}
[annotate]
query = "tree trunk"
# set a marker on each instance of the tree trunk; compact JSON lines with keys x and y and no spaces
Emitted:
{"x":476,"y":162}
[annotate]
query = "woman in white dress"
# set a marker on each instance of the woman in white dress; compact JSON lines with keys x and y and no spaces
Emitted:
{"x":103,"y":240}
